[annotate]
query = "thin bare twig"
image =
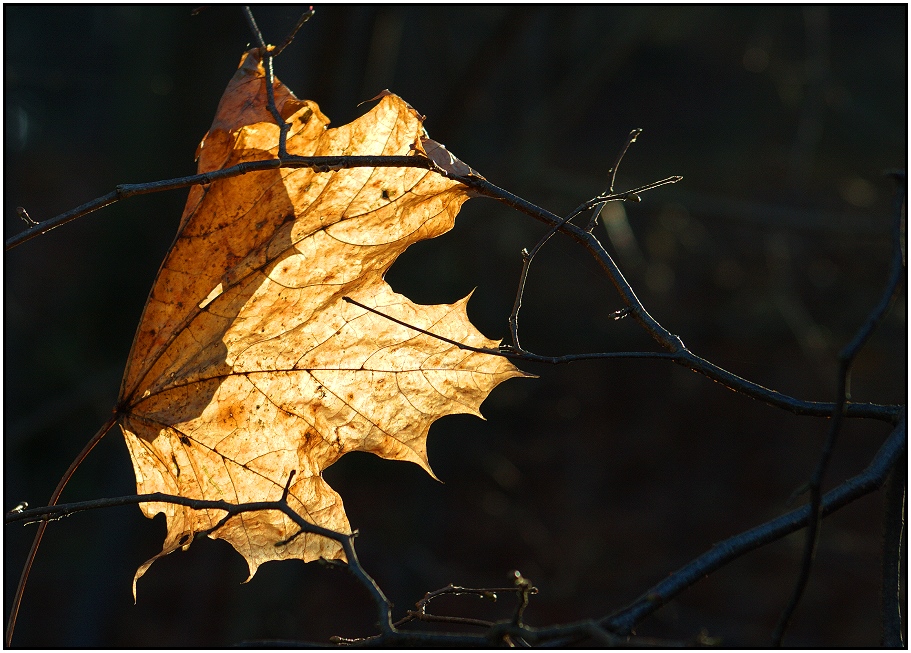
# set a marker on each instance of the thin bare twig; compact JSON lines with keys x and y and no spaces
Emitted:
{"x":267,"y":54}
{"x":600,"y":201}
{"x":506,"y":352}
{"x":290,"y":38}
{"x":25,"y":217}
{"x":633,"y":135}
{"x":439,"y":618}
{"x":685,"y":358}
{"x":526,"y":589}
{"x":489,"y":593}
{"x":257,"y":34}
{"x":288,"y":485}
{"x":27,"y":567}
{"x":123,"y":191}
{"x":52,"y":512}
{"x":845,"y":359}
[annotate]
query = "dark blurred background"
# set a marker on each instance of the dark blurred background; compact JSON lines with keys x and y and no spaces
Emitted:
{"x":595,"y":480}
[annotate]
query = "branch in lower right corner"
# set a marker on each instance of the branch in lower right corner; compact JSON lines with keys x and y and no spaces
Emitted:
{"x":872,"y":478}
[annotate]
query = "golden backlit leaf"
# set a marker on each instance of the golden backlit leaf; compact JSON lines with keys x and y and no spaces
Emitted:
{"x":248,"y":364}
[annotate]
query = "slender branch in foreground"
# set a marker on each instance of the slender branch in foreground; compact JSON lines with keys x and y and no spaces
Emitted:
{"x":49,"y":513}
{"x":506,"y":352}
{"x":685,"y":358}
{"x":666,"y":339}
{"x":290,"y":38}
{"x":257,"y":34}
{"x":845,"y":360}
{"x":612,"y":173}
{"x":662,"y":336}
{"x":123,"y":191}
{"x":883,"y":412}
{"x":871,"y":479}
{"x":27,"y":567}
{"x":489,"y":593}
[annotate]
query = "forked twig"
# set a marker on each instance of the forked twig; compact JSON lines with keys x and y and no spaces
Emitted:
{"x":384,"y":607}
{"x":507,"y":352}
{"x":599,"y":201}
{"x":665,"y":338}
{"x":634,"y":307}
{"x":633,"y":135}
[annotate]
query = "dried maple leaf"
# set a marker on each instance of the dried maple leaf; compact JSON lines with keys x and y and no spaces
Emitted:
{"x":248,"y":365}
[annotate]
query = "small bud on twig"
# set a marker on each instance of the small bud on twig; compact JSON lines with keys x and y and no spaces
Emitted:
{"x":22,"y":505}
{"x":25,"y":217}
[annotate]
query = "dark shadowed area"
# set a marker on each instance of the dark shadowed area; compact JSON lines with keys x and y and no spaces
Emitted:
{"x":597,"y":479}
